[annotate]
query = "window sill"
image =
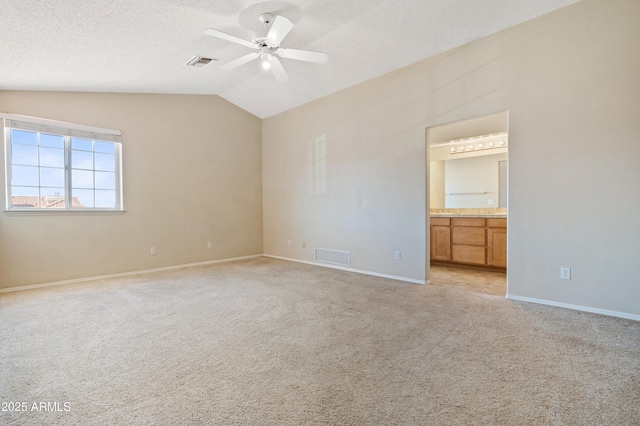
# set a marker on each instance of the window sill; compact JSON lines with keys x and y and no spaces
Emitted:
{"x":62,"y":212}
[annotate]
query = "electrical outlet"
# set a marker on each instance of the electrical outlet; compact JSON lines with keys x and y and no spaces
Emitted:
{"x":565,"y":273}
{"x":397,"y":255}
{"x":289,"y":243}
{"x":153,"y":251}
{"x":304,"y":245}
{"x":491,"y":202}
{"x":209,"y":244}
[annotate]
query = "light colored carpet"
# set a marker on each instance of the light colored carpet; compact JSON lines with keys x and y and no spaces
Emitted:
{"x":265,"y":341}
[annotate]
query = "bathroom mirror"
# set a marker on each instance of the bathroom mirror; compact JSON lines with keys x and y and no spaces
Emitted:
{"x":472,"y":182}
{"x":468,"y":163}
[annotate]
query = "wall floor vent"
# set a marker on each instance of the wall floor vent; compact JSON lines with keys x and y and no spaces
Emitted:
{"x":337,"y":257}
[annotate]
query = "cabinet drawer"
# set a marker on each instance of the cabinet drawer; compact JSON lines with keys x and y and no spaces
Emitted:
{"x":468,"y":235}
{"x":467,"y":221}
{"x":468,"y":254}
{"x":440,"y":221}
{"x":496,"y":223}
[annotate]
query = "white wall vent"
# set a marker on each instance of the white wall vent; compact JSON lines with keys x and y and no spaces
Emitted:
{"x":337,"y":257}
{"x":199,"y":61}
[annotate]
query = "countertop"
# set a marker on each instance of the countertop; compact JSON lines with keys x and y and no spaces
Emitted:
{"x":495,"y":215}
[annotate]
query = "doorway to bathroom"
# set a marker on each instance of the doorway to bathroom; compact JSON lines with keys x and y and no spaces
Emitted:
{"x":467,"y":203}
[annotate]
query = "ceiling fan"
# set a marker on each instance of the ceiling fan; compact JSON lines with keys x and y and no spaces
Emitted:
{"x":268,"y":48}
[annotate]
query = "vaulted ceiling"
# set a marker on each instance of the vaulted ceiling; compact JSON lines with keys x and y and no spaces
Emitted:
{"x":142,"y":46}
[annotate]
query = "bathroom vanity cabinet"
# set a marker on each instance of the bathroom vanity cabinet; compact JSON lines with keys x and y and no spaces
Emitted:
{"x":471,"y":241}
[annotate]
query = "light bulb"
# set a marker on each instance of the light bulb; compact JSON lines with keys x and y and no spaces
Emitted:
{"x":265,"y":64}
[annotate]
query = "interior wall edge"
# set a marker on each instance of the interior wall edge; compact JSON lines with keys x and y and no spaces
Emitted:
{"x":347,"y":269}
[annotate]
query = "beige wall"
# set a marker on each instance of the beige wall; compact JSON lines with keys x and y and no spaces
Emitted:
{"x":570,"y":82}
{"x":493,"y":123}
{"x":192,"y":174}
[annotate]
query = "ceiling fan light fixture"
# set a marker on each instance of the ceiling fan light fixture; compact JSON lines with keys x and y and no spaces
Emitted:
{"x":265,"y":56}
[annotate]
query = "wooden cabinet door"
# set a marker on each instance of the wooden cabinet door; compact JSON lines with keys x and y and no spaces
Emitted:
{"x":497,"y":247}
{"x":440,"y":243}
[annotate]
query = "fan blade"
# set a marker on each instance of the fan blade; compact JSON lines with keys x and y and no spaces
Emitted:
{"x":240,"y":61}
{"x":279,"y":30}
{"x":278,"y":70}
{"x":229,"y":37}
{"x":303,"y":55}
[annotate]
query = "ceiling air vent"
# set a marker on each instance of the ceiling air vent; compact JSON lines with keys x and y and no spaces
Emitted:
{"x":199,"y":61}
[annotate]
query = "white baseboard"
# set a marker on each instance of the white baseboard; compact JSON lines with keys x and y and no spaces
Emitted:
{"x":208,"y":262}
{"x":345,"y":268}
{"x":607,"y":312}
{"x":123,"y":274}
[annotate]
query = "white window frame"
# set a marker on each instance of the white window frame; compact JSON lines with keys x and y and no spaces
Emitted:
{"x":67,"y":130}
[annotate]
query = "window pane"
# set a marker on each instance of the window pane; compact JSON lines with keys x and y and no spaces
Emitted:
{"x":24,"y":197}
{"x":106,"y":147}
{"x":105,"y":180}
{"x":52,"y":198}
{"x":52,"y":177}
{"x":53,"y":141}
{"x":76,"y":204}
{"x":82,"y":198}
{"x":24,"y":176}
{"x":81,"y":160}
{"x":106,"y":199}
{"x":24,"y":154}
{"x":21,"y":136}
{"x":51,"y":157}
{"x":42,"y":167}
{"x":82,"y":179}
{"x":83,"y":144}
{"x":106,"y":162}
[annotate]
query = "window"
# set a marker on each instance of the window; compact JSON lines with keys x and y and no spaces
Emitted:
{"x":52,"y":165}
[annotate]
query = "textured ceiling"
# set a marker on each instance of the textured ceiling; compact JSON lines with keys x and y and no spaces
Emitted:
{"x":142,"y":46}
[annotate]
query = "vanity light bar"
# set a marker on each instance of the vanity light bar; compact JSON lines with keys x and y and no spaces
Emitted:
{"x":476,"y":143}
{"x":477,"y":147}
